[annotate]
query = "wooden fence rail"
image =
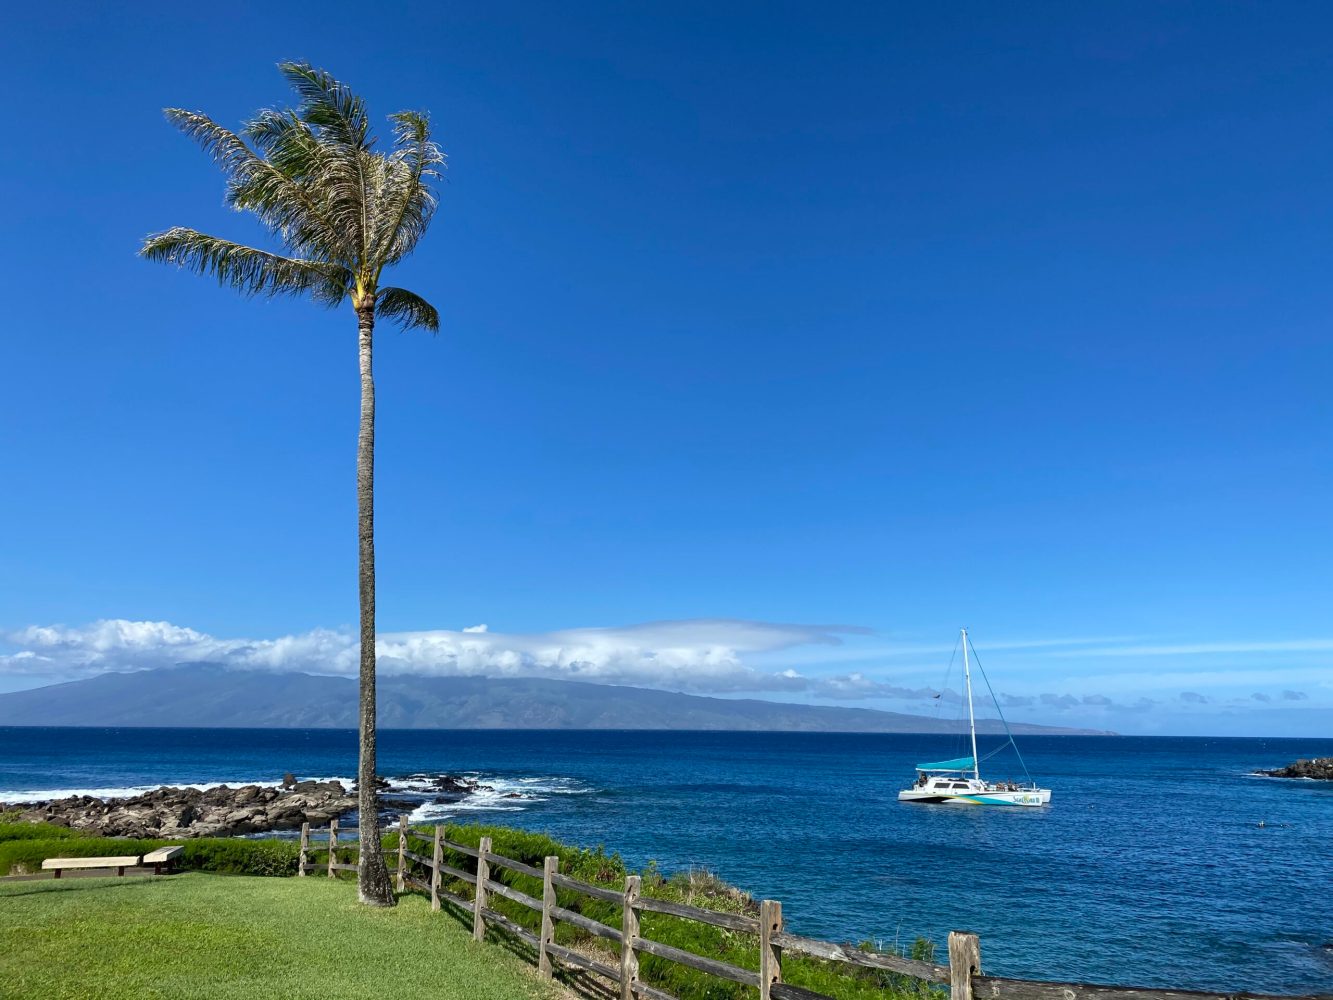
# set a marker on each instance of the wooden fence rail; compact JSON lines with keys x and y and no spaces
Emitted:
{"x":305,"y":866}
{"x":963,"y":974}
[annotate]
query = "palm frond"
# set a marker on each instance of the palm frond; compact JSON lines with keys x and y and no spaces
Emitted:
{"x":297,"y":165}
{"x":329,"y":105}
{"x":407,"y":309}
{"x":258,"y":185}
{"x":374,"y":178}
{"x":285,"y":141}
{"x":415,"y":162}
{"x":247,"y":269}
{"x":328,"y":173}
{"x":291,"y":145}
{"x":226,"y":148}
{"x":337,"y":118}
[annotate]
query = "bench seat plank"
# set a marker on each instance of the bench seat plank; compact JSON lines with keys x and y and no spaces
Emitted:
{"x":128,"y":861}
{"x":162,"y":855}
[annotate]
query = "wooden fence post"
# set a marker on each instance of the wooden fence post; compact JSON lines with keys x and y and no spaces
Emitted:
{"x":479,"y":899}
{"x":964,"y":963}
{"x":770,"y":955}
{"x":402,"y":850}
{"x":437,"y":859}
{"x":305,"y":849}
{"x":629,"y":937}
{"x":333,"y":844}
{"x":549,"y":867}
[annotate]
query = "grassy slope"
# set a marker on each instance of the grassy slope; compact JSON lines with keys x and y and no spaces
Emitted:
{"x":215,"y":937}
{"x":23,"y":846}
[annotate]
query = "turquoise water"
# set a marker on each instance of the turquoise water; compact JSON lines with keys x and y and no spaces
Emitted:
{"x":1151,"y":867}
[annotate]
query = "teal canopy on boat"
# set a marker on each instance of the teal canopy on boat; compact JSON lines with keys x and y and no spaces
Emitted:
{"x":961,"y":764}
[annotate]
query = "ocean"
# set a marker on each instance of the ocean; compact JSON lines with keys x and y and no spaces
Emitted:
{"x":1161,"y":862}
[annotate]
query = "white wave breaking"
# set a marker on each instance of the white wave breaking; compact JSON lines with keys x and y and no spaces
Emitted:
{"x":493,"y":794}
{"x":498,"y":794}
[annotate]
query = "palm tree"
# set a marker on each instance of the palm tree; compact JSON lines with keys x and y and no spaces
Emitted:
{"x":341,"y":212}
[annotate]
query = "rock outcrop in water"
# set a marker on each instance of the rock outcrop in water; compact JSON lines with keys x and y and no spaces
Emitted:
{"x":1317,"y":767}
{"x":225,"y":811}
{"x":191,"y":812}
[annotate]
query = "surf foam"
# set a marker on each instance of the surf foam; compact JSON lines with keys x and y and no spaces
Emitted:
{"x":24,"y":795}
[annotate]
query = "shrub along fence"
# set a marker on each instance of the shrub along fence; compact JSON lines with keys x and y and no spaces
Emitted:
{"x":472,"y":875}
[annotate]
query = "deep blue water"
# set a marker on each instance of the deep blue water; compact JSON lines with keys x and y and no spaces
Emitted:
{"x":1150,"y":867}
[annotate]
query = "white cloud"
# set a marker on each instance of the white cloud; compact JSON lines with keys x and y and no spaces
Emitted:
{"x":700,"y":655}
{"x":117,"y":644}
{"x":707,"y":656}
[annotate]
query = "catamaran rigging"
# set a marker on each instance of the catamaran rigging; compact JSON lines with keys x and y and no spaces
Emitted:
{"x":946,"y":782}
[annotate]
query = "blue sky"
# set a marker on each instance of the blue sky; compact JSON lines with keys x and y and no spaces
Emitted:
{"x":891,"y":318}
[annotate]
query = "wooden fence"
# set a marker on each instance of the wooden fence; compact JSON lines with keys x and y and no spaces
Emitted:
{"x":304,"y":866}
{"x":962,"y":975}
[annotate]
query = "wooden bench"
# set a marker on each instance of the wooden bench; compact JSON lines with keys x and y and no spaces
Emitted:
{"x":120,"y":863}
{"x":163,"y":856}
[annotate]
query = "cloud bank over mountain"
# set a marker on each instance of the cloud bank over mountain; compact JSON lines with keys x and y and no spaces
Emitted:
{"x":704,"y":655}
{"x":1178,"y":687}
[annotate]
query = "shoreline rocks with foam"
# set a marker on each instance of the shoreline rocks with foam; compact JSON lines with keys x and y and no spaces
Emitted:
{"x":176,"y":812}
{"x":250,"y":808}
{"x":1319,"y":768}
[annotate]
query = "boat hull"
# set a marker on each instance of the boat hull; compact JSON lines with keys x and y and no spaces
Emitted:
{"x":930,"y":796}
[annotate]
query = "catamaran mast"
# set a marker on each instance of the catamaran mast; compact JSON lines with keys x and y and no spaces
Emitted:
{"x":971,"y":718}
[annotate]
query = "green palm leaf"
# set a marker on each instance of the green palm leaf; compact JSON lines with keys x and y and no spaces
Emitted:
{"x":328,"y":104}
{"x":257,"y":184}
{"x":415,"y":162}
{"x":408,"y":309}
{"x":246,"y":269}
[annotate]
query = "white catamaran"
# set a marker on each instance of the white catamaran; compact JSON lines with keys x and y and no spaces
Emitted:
{"x":959,"y":782}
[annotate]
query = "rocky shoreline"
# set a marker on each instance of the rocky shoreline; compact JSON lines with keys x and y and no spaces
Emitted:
{"x":1320,"y":768}
{"x":224,"y":811}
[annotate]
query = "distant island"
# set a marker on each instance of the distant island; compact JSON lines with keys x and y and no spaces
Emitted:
{"x":206,"y":695}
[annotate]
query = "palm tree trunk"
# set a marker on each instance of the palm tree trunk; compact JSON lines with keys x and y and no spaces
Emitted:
{"x":372,"y":876}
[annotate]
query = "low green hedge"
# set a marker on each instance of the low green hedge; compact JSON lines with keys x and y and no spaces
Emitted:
{"x":230,"y":856}
{"x":21,"y":856}
{"x":36,"y":831}
{"x":210,"y":854}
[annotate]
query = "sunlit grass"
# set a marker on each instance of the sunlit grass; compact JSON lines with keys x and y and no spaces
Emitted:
{"x":218,"y":937}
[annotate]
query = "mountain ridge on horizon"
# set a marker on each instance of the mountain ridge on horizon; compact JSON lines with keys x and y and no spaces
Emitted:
{"x":206,"y":695}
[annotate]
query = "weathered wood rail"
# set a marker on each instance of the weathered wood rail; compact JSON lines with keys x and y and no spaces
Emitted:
{"x":309,"y":841}
{"x":962,"y":975}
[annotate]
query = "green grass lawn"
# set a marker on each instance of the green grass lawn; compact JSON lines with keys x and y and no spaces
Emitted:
{"x":217,"y":937}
